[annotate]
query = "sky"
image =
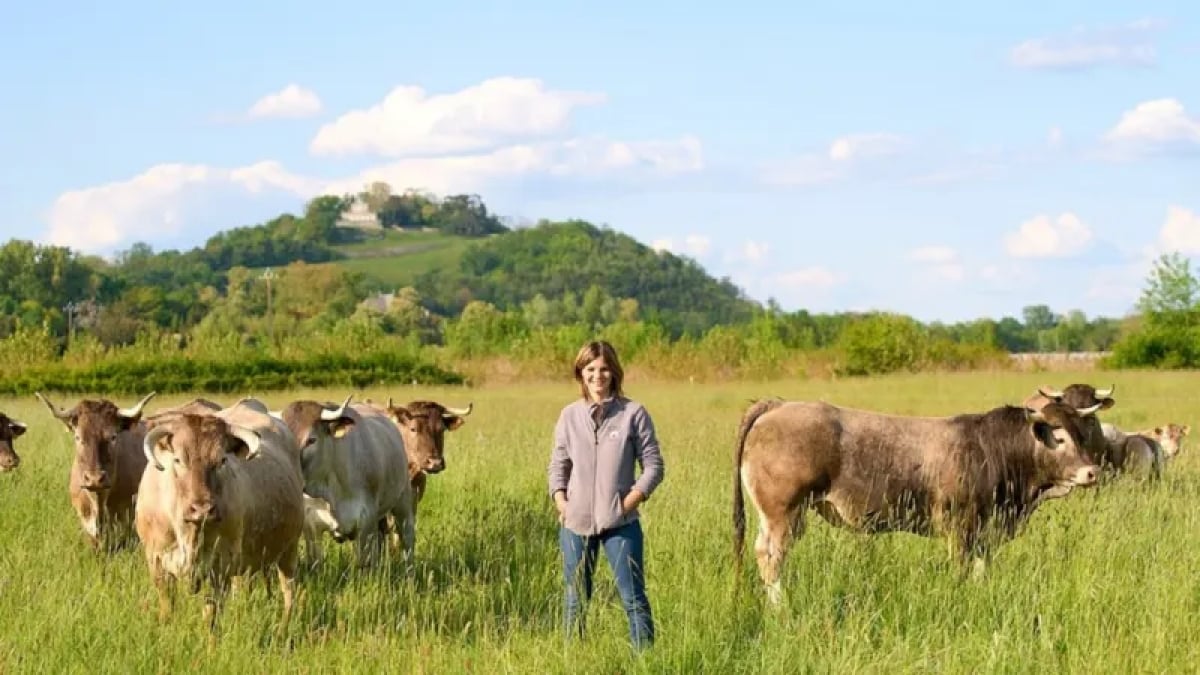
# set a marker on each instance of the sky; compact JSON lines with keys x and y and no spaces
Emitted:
{"x":945,"y":160}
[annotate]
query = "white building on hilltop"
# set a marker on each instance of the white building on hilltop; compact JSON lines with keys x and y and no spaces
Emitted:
{"x":359,"y":216}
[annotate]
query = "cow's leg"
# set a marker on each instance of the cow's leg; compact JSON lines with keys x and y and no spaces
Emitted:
{"x":287,"y":582}
{"x":776,"y":532}
{"x":405,"y":519}
{"x":164,"y":587}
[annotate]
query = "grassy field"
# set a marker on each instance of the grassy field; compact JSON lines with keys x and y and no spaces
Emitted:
{"x":398,"y":258}
{"x":1102,"y":581}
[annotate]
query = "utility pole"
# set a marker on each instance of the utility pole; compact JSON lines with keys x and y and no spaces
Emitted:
{"x":268,"y":275}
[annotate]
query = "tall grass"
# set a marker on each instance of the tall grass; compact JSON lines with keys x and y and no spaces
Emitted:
{"x":1102,"y":581}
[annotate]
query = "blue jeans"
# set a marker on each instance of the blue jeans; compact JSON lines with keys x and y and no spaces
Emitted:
{"x":623,"y":549}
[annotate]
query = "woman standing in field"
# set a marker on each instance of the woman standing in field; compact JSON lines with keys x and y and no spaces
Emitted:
{"x":597,"y":440}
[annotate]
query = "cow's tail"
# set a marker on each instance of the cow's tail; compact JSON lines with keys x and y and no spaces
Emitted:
{"x":758,"y":409}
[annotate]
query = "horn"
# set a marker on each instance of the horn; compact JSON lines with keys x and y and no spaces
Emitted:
{"x":58,"y":412}
{"x":461,"y":412}
{"x":1050,"y":393}
{"x":151,"y":441}
{"x":250,"y":437}
{"x":1105,"y":393}
{"x":136,"y":411}
{"x":331,"y":415}
{"x":1089,"y":411}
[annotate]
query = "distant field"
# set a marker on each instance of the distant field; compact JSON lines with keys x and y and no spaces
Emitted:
{"x":1101,"y":581}
{"x":398,"y":258}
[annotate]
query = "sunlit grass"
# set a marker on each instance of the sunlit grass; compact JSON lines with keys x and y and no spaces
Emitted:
{"x":1102,"y":581}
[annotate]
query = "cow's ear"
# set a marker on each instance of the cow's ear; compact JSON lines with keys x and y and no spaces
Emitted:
{"x":339,"y":427}
{"x":1183,"y":431}
{"x":1106,"y":403}
{"x":453,"y":422}
{"x":399,"y":414}
{"x":16,"y":428}
{"x":1045,"y":433}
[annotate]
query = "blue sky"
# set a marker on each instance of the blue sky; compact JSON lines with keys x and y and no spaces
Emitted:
{"x":945,"y":162}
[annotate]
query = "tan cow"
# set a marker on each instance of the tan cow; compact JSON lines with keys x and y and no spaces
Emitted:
{"x":972,"y":478}
{"x":108,"y":465}
{"x":1170,"y":437}
{"x":222,"y":497}
{"x":423,"y":426}
{"x":9,"y":430}
{"x":1143,"y":451}
{"x":353,"y":458}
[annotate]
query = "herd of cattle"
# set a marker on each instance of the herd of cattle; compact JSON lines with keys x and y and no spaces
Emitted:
{"x":215,"y":493}
{"x":972,"y":478}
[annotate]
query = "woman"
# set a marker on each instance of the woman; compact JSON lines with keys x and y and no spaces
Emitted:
{"x":596,"y":442}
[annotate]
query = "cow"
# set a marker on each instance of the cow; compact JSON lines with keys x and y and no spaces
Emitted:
{"x":1170,"y":437}
{"x":108,"y":465}
{"x":1082,"y":397}
{"x":423,"y":426}
{"x":973,"y":478}
{"x":1077,"y":395}
{"x":222,"y":497}
{"x":1147,"y":450}
{"x":197,"y":406}
{"x":9,"y":430}
{"x":353,"y":458}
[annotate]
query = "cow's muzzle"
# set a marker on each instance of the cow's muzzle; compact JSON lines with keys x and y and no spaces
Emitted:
{"x":96,"y":481}
{"x":200,"y":512}
{"x":434,"y":465}
{"x":1085,"y":476}
{"x":9,"y":462}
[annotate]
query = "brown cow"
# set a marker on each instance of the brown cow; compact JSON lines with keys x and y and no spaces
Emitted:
{"x":9,"y":430}
{"x":222,"y":497}
{"x":1076,"y":395}
{"x":423,"y":425}
{"x":973,"y":478}
{"x":196,"y":406}
{"x":107,"y":467}
{"x":1081,"y":397}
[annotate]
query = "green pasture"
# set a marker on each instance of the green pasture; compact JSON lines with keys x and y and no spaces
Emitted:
{"x":398,"y":258}
{"x":1102,"y":581}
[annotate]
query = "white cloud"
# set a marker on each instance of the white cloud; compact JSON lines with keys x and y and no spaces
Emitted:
{"x":940,"y":261}
{"x":160,"y":202}
{"x":750,"y":252}
{"x":933,"y":254}
{"x":589,"y":158}
{"x":808,"y":277}
{"x":864,"y":146}
{"x":293,"y":101}
{"x":409,"y":122}
{"x":1180,"y":231}
{"x":1160,"y":124}
{"x":846,"y":157}
{"x":1087,"y":47}
{"x":1054,"y":137}
{"x":696,"y":245}
{"x":1041,"y":237}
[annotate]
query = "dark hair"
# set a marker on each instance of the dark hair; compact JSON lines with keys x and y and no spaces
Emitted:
{"x":592,"y":351}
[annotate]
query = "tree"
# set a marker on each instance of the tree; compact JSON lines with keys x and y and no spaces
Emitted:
{"x":1039,"y":317}
{"x":1171,"y":293}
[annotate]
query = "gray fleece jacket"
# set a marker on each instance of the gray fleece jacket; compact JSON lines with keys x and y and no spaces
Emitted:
{"x":595,"y":465}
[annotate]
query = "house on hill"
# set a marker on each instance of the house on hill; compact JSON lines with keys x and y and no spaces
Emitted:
{"x":359,"y":216}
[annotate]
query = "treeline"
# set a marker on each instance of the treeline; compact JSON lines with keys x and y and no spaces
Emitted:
{"x":527,"y":296}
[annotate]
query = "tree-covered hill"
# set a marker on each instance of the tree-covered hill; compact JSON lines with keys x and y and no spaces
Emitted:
{"x":554,"y":259}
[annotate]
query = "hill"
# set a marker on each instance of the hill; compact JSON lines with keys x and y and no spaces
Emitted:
{"x":571,"y":258}
{"x":395,"y":258}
